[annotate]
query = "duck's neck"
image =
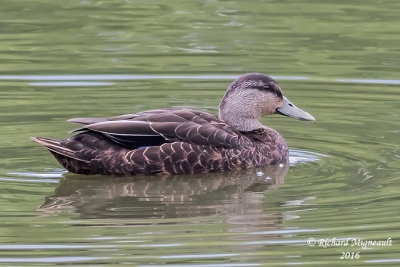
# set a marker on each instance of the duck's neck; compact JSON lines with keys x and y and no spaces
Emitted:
{"x":241,"y":115}
{"x":243,"y":124}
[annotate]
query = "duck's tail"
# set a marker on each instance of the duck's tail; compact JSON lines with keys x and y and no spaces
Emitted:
{"x":70,"y":159}
{"x":56,"y":147}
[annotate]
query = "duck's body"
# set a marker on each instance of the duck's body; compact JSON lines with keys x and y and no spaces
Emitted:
{"x":181,"y":141}
{"x":165,"y":141}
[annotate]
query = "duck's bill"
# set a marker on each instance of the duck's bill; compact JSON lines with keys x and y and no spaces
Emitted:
{"x":289,"y":109}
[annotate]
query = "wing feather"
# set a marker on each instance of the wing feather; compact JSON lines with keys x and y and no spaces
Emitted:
{"x":87,"y":121}
{"x":155,"y":127}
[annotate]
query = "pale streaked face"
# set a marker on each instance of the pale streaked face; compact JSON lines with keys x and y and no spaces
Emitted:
{"x":256,"y":91}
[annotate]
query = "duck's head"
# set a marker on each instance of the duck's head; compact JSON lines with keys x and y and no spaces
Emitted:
{"x":252,"y":96}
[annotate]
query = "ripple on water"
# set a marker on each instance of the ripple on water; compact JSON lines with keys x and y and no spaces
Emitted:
{"x":297,"y":156}
{"x":36,"y":177}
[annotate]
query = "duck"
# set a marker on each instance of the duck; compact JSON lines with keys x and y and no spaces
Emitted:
{"x":178,"y":140}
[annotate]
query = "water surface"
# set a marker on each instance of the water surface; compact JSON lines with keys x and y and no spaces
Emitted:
{"x":339,"y":60}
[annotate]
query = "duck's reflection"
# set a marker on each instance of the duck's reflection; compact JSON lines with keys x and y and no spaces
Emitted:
{"x":165,"y":197}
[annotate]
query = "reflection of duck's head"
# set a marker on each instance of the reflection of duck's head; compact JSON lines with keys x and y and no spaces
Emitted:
{"x":252,"y":96}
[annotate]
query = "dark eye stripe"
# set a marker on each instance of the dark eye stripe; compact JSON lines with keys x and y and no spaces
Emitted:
{"x":271,"y":89}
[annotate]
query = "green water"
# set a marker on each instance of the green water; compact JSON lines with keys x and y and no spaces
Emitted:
{"x":338,"y":60}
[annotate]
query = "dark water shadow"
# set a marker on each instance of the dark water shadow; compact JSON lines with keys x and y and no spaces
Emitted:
{"x":164,"y":197}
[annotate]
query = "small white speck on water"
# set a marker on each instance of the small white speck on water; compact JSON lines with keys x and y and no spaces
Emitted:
{"x":267,"y":179}
{"x":260,"y":173}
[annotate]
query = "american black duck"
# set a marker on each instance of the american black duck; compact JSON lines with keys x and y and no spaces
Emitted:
{"x":180,"y":140}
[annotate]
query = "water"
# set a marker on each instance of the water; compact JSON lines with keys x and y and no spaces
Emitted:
{"x":338,"y":60}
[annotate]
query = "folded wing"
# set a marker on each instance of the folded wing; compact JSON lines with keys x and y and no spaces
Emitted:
{"x":155,"y":127}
